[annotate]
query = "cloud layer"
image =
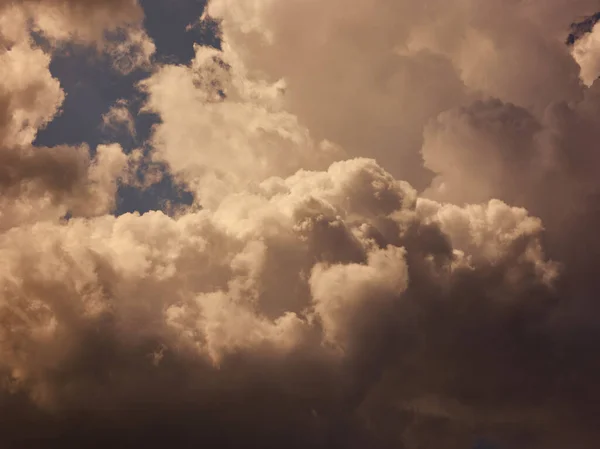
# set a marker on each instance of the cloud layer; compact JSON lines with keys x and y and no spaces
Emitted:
{"x":309,"y":297}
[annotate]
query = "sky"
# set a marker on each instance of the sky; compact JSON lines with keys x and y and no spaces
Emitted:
{"x":299,"y":224}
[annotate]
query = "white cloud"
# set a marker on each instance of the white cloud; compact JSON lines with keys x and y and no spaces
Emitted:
{"x":221,"y":132}
{"x":29,"y":96}
{"x":586,"y":52}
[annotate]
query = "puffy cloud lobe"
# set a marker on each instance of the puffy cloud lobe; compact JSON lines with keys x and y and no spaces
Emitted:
{"x":344,"y":294}
{"x":29,"y":95}
{"x":246,"y":136}
{"x":586,"y":52}
{"x":495,"y":141}
{"x":490,"y":140}
{"x":40,"y":183}
{"x":542,"y":164}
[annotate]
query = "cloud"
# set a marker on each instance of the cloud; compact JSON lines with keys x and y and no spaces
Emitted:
{"x":379,"y":71}
{"x":112,"y":26}
{"x":309,"y":297}
{"x":586,"y":52}
{"x":67,"y":20}
{"x":246,"y":135}
{"x":543,"y":164}
{"x":29,"y":96}
{"x":48,"y":183}
{"x":119,"y":117}
{"x":208,"y":287}
{"x":131,"y":50}
{"x":39,"y":183}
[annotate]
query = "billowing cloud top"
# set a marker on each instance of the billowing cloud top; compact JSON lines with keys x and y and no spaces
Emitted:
{"x":309,"y":297}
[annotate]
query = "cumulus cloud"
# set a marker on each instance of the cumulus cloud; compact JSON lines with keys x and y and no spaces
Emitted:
{"x":83,"y":20}
{"x":309,"y":297}
{"x":246,"y":134}
{"x":207,"y":286}
{"x":29,"y":96}
{"x":381,"y":70}
{"x":112,"y":26}
{"x":46,"y":183}
{"x":586,"y":52}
